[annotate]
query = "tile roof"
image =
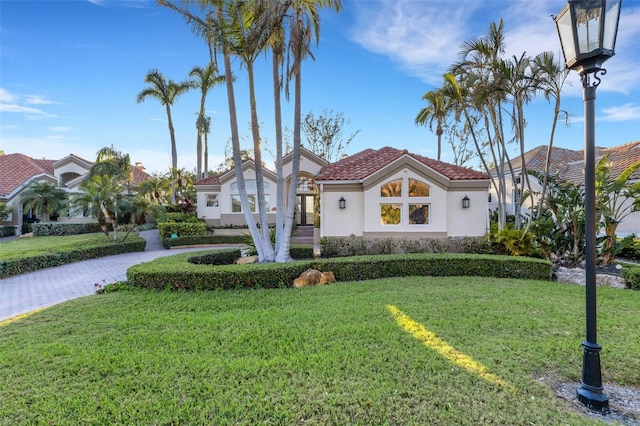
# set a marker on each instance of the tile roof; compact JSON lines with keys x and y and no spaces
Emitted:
{"x":210,"y":180}
{"x":16,"y":169}
{"x":365,"y":163}
{"x":569,"y":164}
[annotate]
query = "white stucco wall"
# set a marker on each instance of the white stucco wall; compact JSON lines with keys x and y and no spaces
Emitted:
{"x":338,"y":222}
{"x":469,"y":222}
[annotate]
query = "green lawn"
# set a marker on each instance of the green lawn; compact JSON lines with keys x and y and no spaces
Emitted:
{"x":323,"y":355}
{"x":28,"y":247}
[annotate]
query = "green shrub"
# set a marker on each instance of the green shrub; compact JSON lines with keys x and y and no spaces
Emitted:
{"x":208,"y":239}
{"x":45,"y":229}
{"x":46,"y":260}
{"x":631,"y":274}
{"x":7,"y":231}
{"x":182,"y":217}
{"x":218,"y":257}
{"x":177,"y":271}
{"x":358,"y":246}
{"x":632,"y":251}
{"x":301,"y":251}
{"x":182,"y":229}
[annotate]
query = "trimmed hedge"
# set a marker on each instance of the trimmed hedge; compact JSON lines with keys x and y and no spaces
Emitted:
{"x":46,"y":229}
{"x":631,"y":274}
{"x":7,"y":230}
{"x":197,"y":240}
{"x":177,"y":272}
{"x":218,"y":257}
{"x":46,"y":260}
{"x":182,"y":229}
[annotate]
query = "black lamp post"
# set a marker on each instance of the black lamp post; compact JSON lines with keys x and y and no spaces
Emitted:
{"x":587,"y":30}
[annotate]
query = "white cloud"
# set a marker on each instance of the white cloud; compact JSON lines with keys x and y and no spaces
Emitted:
{"x":18,"y":104}
{"x":626,"y":112}
{"x":422,"y":37}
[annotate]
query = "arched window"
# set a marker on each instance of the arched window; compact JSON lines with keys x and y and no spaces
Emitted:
{"x":391,"y":189}
{"x":407,"y":209}
{"x":418,"y":188}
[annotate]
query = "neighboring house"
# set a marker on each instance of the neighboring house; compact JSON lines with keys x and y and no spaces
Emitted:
{"x":17,"y":171}
{"x":569,"y":165}
{"x":375,"y":193}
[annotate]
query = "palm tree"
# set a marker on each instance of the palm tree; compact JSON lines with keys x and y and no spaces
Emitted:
{"x":156,"y":188}
{"x":304,"y":26}
{"x":43,"y":198}
{"x":205,"y":78}
{"x":111,"y":162}
{"x":437,"y":110}
{"x":550,"y":76}
{"x":165,"y":92}
{"x":205,"y":125}
{"x":101,"y":197}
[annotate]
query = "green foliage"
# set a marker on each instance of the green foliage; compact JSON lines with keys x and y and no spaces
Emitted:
{"x":353,"y":246}
{"x":5,"y":211}
{"x":301,"y":251}
{"x":182,"y":229}
{"x":163,"y":273}
{"x":7,"y":231}
{"x":631,"y":274}
{"x":44,"y":229}
{"x":218,"y":257}
{"x":200,"y":240}
{"x":514,"y":242}
{"x":64,"y":255}
{"x":181,"y":217}
{"x":632,"y":251}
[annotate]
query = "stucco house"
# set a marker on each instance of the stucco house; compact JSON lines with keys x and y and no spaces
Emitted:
{"x":17,"y":171}
{"x":374,"y":193}
{"x":568,"y":164}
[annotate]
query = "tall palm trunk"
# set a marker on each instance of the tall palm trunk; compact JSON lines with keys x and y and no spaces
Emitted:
{"x":268,"y":251}
{"x":174,"y":153}
{"x":275,"y":65}
{"x":237,"y":158}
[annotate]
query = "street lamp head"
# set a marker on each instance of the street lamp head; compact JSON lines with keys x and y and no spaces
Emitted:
{"x":587,"y":30}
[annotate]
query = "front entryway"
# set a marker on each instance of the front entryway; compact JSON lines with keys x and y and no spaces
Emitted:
{"x":304,"y":210}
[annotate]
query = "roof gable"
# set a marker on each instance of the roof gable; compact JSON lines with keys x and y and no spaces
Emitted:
{"x":17,"y":169}
{"x":360,"y":166}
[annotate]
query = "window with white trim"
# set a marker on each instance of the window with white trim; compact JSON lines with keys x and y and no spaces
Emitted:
{"x":405,"y":201}
{"x":212,"y":200}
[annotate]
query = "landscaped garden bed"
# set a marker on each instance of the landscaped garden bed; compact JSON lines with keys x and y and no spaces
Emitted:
{"x":178,"y":272}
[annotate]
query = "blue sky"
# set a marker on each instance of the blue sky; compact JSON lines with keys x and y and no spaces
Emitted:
{"x":70,"y":72}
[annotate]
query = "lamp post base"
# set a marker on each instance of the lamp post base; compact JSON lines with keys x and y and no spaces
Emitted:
{"x":590,"y":391}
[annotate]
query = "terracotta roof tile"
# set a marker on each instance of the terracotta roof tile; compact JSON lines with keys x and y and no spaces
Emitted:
{"x":569,"y":164}
{"x":16,"y":169}
{"x":365,"y":163}
{"x":211,"y":180}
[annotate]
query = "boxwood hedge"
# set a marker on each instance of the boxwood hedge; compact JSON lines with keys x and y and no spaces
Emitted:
{"x":631,"y":274}
{"x":177,"y":272}
{"x":46,"y":260}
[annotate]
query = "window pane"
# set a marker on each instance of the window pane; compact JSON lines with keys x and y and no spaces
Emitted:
{"x":392,"y":189}
{"x":252,"y":202}
{"x":418,"y":188}
{"x":236,"y":206}
{"x":390,"y":214}
{"x":418,"y":214}
{"x":250,"y":185}
{"x":212,"y":200}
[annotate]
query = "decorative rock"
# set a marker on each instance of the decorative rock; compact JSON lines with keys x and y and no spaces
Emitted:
{"x":577,"y":276}
{"x":314,"y":277}
{"x":29,"y":235}
{"x":246,"y":260}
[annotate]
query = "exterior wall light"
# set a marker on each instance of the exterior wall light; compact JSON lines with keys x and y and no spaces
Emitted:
{"x":588,"y":31}
{"x":466,"y":202}
{"x":342,"y":203}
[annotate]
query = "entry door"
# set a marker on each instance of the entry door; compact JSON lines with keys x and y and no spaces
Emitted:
{"x":304,"y":210}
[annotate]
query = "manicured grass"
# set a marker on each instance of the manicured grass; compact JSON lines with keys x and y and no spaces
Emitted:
{"x":322,"y":355}
{"x":29,"y":247}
